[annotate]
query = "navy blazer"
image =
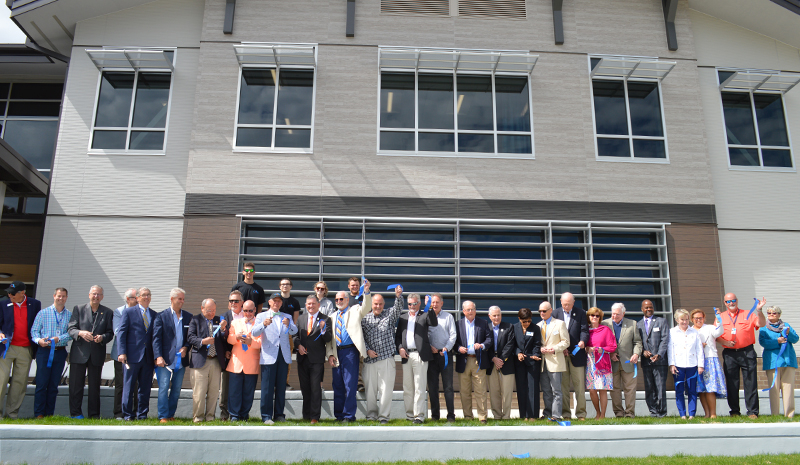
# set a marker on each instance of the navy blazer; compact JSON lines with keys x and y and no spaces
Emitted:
{"x":198,"y":330}
{"x":578,"y":330}
{"x":164,"y":340}
{"x":133,"y":340}
{"x":483,"y":335}
{"x":505,"y":349}
{"x":7,"y":320}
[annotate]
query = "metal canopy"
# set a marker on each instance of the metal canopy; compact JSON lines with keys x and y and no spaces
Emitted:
{"x":760,"y":81}
{"x":131,"y":59}
{"x":632,"y":67}
{"x":458,"y":60}
{"x":276,"y":54}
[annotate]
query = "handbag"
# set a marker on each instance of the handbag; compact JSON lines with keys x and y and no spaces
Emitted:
{"x":603,"y":365}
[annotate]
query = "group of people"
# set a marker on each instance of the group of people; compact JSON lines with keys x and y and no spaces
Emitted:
{"x":569,"y":350}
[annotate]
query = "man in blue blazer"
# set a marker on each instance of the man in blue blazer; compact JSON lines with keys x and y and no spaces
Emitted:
{"x":171,"y":350}
{"x":18,"y":349}
{"x":473,"y":340}
{"x":207,"y":360}
{"x":274,"y":327}
{"x":135,"y":347}
{"x":578,"y":329}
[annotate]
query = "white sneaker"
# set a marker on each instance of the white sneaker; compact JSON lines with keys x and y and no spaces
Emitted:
{"x":269,"y":422}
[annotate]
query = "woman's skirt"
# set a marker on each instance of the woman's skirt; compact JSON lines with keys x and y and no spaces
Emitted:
{"x":595,"y":380}
{"x":713,"y":378}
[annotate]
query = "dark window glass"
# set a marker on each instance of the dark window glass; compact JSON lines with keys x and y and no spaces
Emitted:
{"x":594,"y":62}
{"x":293,"y":232}
{"x":645,"y":109}
{"x":338,"y":233}
{"x":569,"y":273}
{"x":568,"y":237}
{"x":483,"y":143}
{"x":528,"y":271}
{"x":409,"y":251}
{"x":353,"y":270}
{"x":254,"y":137}
{"x":525,"y":253}
{"x":257,"y":248}
{"x":514,"y":144}
{"x":471,"y":235}
{"x":26,"y":91}
{"x":633,"y":307}
{"x":563,"y":253}
{"x":152,"y":97}
{"x":624,"y":273}
{"x":723,"y":75}
{"x":11,"y":205}
{"x":270,"y":267}
{"x":474,"y":104}
{"x":509,"y":306}
{"x":4,"y":86}
{"x":397,"y":101}
{"x":342,"y":250}
{"x":646,"y":148}
{"x":33,"y":108}
{"x":295,"y":98}
{"x":256,"y":98}
{"x":628,"y":288}
{"x":505,"y":286}
{"x":109,"y":139}
{"x":625,"y":254}
{"x":293,"y":138}
{"x":744,"y":157}
{"x":609,"y":107}
{"x":613,"y":147}
{"x":397,"y":140}
{"x":777,"y":158}
{"x":34,"y":205}
{"x":738,"y":118}
{"x":435,"y":95}
{"x":771,"y":123}
{"x":147,"y":140}
{"x":300,"y":287}
{"x":401,"y":270}
{"x":2,"y":108}
{"x":575,"y":287}
{"x":513,"y":110}
{"x":114,"y":105}
{"x":34,"y":140}
{"x":436,"y":142}
{"x":421,"y":286}
{"x":409,"y":235}
{"x":619,"y":238}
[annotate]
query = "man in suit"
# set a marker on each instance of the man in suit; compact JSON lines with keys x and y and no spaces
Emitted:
{"x":411,"y":339}
{"x":275,"y":329}
{"x":130,"y":301}
{"x":171,"y":350}
{"x":235,"y":303}
{"x":629,"y":349}
{"x":555,"y":339}
{"x":313,"y":334}
{"x":344,"y":351}
{"x":578,"y":329}
{"x":206,"y":361}
{"x":443,"y":339}
{"x":135,"y":346}
{"x":473,"y":339}
{"x":17,"y":314}
{"x":91,"y":327}
{"x":654,"y":332}
{"x":501,"y":371}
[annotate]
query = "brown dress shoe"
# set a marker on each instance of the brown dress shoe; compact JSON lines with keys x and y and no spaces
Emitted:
{"x":314,"y":422}
{"x":164,"y":420}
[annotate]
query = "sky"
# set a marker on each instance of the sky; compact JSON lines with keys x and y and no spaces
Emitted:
{"x":9,"y":32}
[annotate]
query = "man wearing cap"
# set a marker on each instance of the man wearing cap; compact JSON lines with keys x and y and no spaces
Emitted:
{"x":17,"y":314}
{"x":274,"y":327}
{"x":49,"y":331}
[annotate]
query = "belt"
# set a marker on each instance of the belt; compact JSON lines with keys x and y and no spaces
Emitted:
{"x":471,"y":355}
{"x":345,"y":347}
{"x":61,"y":348}
{"x":739,"y":349}
{"x":211,"y":356}
{"x":411,"y":350}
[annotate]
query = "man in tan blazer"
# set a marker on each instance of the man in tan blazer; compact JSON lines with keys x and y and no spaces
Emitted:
{"x":345,"y":350}
{"x":555,"y":339}
{"x":624,"y":360}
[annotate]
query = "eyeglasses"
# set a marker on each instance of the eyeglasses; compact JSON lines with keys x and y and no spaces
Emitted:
{"x":730,"y":301}
{"x":413,"y":303}
{"x":321,"y":289}
{"x":286,"y":284}
{"x":339,"y":298}
{"x":594,"y":316}
{"x":233,"y":301}
{"x":524,"y":321}
{"x":249,"y":271}
{"x":773,"y":313}
{"x":543,"y":311}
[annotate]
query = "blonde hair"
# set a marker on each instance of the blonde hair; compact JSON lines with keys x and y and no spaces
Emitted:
{"x":681,"y":312}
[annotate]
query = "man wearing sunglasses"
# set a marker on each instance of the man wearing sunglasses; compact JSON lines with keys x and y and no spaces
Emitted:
{"x":235,"y":302}
{"x":250,"y":289}
{"x":17,"y":314}
{"x":738,"y":353}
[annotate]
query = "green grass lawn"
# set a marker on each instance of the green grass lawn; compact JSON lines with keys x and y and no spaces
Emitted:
{"x":397,"y":422}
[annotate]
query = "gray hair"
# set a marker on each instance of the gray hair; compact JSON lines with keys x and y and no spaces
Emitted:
{"x":130,"y":293}
{"x":618,"y":305}
{"x":567,"y":294}
{"x":142,"y":289}
{"x":206,"y":301}
{"x":237,"y":292}
{"x":494,"y":307}
{"x":468,"y":302}
{"x":175,"y":291}
{"x":681,"y":312}
{"x":312,"y":297}
{"x":96,"y":287}
{"x":414,"y":296}
{"x":774,"y":308}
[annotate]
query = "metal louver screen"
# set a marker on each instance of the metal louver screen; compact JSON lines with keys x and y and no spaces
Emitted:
{"x":511,"y":9}
{"x":416,"y":7}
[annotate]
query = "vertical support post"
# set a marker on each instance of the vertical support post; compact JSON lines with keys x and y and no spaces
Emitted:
{"x":230,"y":6}
{"x":350,"y":29}
{"x":558,"y":21}
{"x":670,"y":8}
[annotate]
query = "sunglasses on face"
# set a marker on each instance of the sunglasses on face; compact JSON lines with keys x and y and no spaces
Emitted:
{"x":542,"y":311}
{"x":773,"y":313}
{"x":524,"y":321}
{"x":730,"y":301}
{"x":594,"y":316}
{"x":413,"y":303}
{"x":321,"y":289}
{"x":233,"y":301}
{"x":249,"y":271}
{"x":338,"y":299}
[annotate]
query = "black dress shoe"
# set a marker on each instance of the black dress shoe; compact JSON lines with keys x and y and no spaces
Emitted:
{"x":417,"y":421}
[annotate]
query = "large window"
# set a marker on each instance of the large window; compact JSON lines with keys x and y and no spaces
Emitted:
{"x":628,"y":119}
{"x":755,"y":127}
{"x":29,"y":120}
{"x":512,"y":264}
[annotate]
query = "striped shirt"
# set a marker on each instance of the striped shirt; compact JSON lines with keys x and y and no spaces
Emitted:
{"x":50,"y":323}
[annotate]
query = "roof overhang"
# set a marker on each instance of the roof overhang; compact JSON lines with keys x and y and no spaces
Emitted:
{"x":631,"y":67}
{"x":277,"y":55}
{"x":764,"y":81}
{"x":20,"y":176}
{"x":511,"y":61}
{"x":134,"y":59}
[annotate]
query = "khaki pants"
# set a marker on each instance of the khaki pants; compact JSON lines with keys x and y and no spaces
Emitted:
{"x":623,"y":381}
{"x":577,"y":376}
{"x":784,"y":384}
{"x":20,"y":359}
{"x":473,"y":381}
{"x":205,"y":390}
{"x":501,"y":388}
{"x":415,"y":387}
{"x":378,"y":388}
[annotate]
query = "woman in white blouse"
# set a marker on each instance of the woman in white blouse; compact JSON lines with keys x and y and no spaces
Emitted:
{"x":685,"y":355}
{"x":711,"y":385}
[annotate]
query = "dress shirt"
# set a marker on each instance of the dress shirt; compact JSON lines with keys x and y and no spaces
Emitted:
{"x":443,"y":336}
{"x":52,"y":323}
{"x":238,"y":316}
{"x":379,"y":331}
{"x":177,"y":320}
{"x":617,"y":329}
{"x":647,"y":323}
{"x":685,"y":348}
{"x":470,"y":326}
{"x":496,"y":331}
{"x":567,"y":317}
{"x":412,"y":321}
{"x":745,"y":328}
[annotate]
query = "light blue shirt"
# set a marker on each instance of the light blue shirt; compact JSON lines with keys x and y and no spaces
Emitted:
{"x":470,"y":325}
{"x":496,"y":331}
{"x":178,"y":322}
{"x":345,"y":339}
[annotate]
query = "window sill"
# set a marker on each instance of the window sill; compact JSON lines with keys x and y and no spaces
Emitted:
{"x":509,"y":156}
{"x":159,"y":153}
{"x":657,"y":161}
{"x":762,"y":169}
{"x":267,"y":150}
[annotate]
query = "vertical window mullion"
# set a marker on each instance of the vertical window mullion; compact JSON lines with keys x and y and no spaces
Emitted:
{"x":755,"y":125}
{"x":416,"y":110}
{"x":628,"y":114}
{"x":494,"y":114}
{"x":275,"y":106}
{"x":455,"y":112}
{"x":133,"y":105}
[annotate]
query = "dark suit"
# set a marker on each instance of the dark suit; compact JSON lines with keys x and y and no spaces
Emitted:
{"x":528,"y":371}
{"x":501,"y":382}
{"x":198,"y":330}
{"x":207,"y":372}
{"x":421,"y":325}
{"x":88,"y":356}
{"x":22,"y":362}
{"x":656,"y":340}
{"x":472,"y":368}
{"x":483,"y":335}
{"x":135,"y":341}
{"x":223,"y":383}
{"x":311,"y":365}
{"x":578,"y":329}
{"x":167,"y":345}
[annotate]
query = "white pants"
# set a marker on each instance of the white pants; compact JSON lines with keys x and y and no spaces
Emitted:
{"x":378,"y":387}
{"x":415,"y":387}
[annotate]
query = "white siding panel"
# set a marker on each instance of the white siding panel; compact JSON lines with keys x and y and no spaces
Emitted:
{"x":116,"y":253}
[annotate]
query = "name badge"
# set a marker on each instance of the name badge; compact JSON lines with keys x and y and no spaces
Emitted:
{"x":733,"y":331}
{"x":529,"y":333}
{"x":656,"y":329}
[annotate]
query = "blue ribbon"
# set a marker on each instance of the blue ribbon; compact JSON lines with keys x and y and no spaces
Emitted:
{"x":393,"y":287}
{"x":361,"y":289}
{"x":427,"y":304}
{"x":755,"y":304}
{"x":526,"y":455}
{"x":52,"y":351}
{"x":686,"y":380}
{"x":719,"y":317}
{"x":635,"y":368}
{"x":778,"y":362}
{"x":5,"y":341}
{"x":561,"y":423}
{"x":446,"y":357}
{"x":577,"y":348}
{"x":596,"y":360}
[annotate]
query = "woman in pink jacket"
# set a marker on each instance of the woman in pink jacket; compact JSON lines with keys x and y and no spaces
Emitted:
{"x":243,"y":365}
{"x":598,"y":362}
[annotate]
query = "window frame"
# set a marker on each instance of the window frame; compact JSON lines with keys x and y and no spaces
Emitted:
{"x":455,"y":131}
{"x":758,"y":146}
{"x":274,"y":126}
{"x":129,"y":128}
{"x":630,"y":136}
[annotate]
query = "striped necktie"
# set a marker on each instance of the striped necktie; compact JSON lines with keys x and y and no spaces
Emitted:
{"x":339,"y":324}
{"x":212,"y":351}
{"x":144,"y":318}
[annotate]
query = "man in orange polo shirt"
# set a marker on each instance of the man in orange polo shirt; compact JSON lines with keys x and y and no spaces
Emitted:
{"x":17,"y":314}
{"x":738,"y":353}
